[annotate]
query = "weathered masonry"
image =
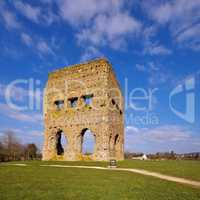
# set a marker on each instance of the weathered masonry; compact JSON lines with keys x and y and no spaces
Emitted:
{"x":79,"y":98}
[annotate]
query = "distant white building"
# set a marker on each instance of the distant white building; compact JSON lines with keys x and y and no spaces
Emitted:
{"x":143,"y":157}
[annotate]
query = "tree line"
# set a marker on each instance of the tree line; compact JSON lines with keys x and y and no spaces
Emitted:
{"x":12,"y":150}
{"x":165,"y":156}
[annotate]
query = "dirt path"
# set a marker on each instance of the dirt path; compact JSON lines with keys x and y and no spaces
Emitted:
{"x":138,"y":171}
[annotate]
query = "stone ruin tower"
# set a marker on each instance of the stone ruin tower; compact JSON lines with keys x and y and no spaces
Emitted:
{"x":79,"y":98}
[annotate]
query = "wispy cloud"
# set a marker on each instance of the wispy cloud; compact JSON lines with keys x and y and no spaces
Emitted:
{"x":132,"y":129}
{"x":31,"y":117}
{"x":102,"y":22}
{"x":23,"y":132}
{"x":86,"y":10}
{"x":164,"y":137}
{"x":39,"y":45}
{"x":25,"y":135}
{"x":120,"y":25}
{"x":182,"y":18}
{"x":156,"y":49}
{"x":90,"y":53}
{"x":157,"y":74}
{"x":36,"y":133}
{"x":190,"y":38}
{"x":140,"y":67}
{"x":151,"y":45}
{"x":31,"y":12}
{"x":26,"y":39}
{"x":44,"y":48}
{"x":36,"y":14}
{"x":20,"y":98}
{"x":17,"y":93}
{"x":9,"y":18}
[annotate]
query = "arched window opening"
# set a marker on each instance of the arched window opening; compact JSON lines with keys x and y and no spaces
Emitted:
{"x":113,"y":102}
{"x":73,"y":102}
{"x":117,"y":106}
{"x":88,"y":99}
{"x":88,"y":142}
{"x":116,"y":139}
{"x":59,"y":104}
{"x":61,"y":143}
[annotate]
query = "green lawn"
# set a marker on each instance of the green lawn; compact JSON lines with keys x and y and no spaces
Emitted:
{"x":46,"y":183}
{"x":184,"y":169}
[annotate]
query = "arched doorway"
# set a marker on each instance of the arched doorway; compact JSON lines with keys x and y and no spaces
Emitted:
{"x":117,"y":146}
{"x":114,"y":145}
{"x":61,"y":143}
{"x":88,"y":142}
{"x":115,"y":141}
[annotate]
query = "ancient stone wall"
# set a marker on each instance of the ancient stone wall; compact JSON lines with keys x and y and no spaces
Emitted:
{"x":79,"y":98}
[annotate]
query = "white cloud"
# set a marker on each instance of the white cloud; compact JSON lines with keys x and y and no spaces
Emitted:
{"x":40,"y":15}
{"x":151,"y":46}
{"x":23,"y":132}
{"x":31,"y":117}
{"x":30,"y":12}
{"x":9,"y":18}
{"x":25,"y":135}
{"x":159,"y":77}
{"x":46,"y":1}
{"x":15,"y":130}
{"x":182,"y":18}
{"x":36,"y":133}
{"x":157,"y":74}
{"x":39,"y":45}
{"x":26,"y":39}
{"x":17,"y":93}
{"x":132,"y":129}
{"x":140,"y":67}
{"x":155,"y":49}
{"x":161,"y":138}
{"x":153,"y":66}
{"x":167,"y":133}
{"x":190,"y":38}
{"x":78,"y":11}
{"x":162,"y":13}
{"x":179,"y":12}
{"x":120,"y":26}
{"x":100,"y":23}
{"x":148,"y":67}
{"x":20,"y":98}
{"x":90,"y":53}
{"x":44,"y":48}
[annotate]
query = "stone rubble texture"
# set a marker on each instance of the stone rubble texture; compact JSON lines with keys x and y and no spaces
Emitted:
{"x":104,"y":116}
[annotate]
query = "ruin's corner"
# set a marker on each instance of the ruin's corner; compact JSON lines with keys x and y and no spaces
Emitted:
{"x":78,"y":98}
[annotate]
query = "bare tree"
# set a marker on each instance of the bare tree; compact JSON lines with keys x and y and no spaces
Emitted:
{"x":31,"y":151}
{"x":12,"y":148}
{"x":1,"y":152}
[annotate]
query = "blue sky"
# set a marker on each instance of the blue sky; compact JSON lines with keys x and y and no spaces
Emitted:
{"x":154,"y":46}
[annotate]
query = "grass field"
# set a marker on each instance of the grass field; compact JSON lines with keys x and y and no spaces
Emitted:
{"x":183,"y":169}
{"x":35,"y":182}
